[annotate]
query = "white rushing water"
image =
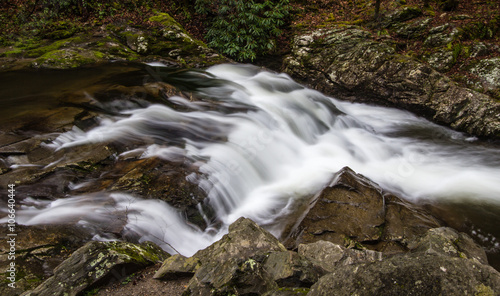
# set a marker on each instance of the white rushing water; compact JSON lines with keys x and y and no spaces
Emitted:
{"x":262,"y":142}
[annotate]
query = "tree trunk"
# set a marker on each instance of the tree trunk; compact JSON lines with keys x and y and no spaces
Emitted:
{"x":377,"y":9}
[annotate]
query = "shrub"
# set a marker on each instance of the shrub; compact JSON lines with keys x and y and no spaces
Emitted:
{"x":243,"y":29}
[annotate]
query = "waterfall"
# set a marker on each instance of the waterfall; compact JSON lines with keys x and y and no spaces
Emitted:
{"x":263,"y":142}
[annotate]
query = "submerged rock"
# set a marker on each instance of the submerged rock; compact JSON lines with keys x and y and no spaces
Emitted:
{"x":347,"y":63}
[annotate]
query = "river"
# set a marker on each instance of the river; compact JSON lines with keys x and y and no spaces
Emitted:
{"x":260,"y":142}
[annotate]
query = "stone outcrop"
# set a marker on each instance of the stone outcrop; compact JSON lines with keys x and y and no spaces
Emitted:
{"x":352,"y":210}
{"x":348,"y":63}
{"x":164,"y":40}
{"x":97,"y":263}
{"x":249,"y":261}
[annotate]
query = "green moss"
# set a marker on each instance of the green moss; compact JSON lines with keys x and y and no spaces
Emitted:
{"x":12,"y":53}
{"x":37,"y":52}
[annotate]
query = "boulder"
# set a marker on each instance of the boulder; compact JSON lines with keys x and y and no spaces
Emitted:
{"x":414,"y":274}
{"x":234,"y":264}
{"x":488,"y":73}
{"x":290,"y":269}
{"x":353,"y":211}
{"x":97,"y":263}
{"x":449,"y":242}
{"x":347,"y":63}
{"x":39,"y":250}
{"x":328,"y":255}
{"x":177,"y":266}
{"x":245,"y":240}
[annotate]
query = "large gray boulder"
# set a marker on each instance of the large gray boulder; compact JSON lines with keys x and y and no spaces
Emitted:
{"x":348,"y":63}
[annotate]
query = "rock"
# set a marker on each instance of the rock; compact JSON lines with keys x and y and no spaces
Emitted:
{"x":234,"y":263}
{"x":162,"y":39}
{"x":328,"y":255}
{"x":479,"y":49}
{"x":244,"y":240}
{"x":349,"y":207}
{"x":442,"y":60}
{"x":439,"y":37}
{"x":353,"y":210}
{"x":488,"y":72}
{"x":289,"y":269}
{"x":177,"y":266}
{"x":413,"y":29}
{"x":96,"y":263}
{"x":39,"y":250}
{"x":231,"y":277}
{"x":398,"y":16}
{"x":347,"y":63}
{"x":415,"y":274}
{"x":449,"y":242}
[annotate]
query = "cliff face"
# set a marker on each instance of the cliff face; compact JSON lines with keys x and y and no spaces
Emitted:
{"x":348,"y":63}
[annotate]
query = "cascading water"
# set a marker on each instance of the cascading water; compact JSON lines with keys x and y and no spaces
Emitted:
{"x":262,"y":143}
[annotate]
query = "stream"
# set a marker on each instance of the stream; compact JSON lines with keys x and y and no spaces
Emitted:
{"x":260,"y":143}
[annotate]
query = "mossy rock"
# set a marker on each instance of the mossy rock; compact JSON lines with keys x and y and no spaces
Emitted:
{"x":68,"y":58}
{"x":98,"y":263}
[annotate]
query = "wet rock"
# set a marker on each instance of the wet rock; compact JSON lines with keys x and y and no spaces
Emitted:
{"x":346,"y":63}
{"x":353,"y":210}
{"x":349,"y":207}
{"x":39,"y":250}
{"x":97,"y":263}
{"x":415,"y":274}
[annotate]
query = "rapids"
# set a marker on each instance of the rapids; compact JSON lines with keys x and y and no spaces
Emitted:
{"x":262,"y":143}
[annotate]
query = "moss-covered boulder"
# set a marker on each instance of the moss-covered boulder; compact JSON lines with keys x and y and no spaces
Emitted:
{"x":163,"y":39}
{"x":97,"y":263}
{"x":39,"y":250}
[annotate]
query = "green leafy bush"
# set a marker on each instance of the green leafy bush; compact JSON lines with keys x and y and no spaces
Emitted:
{"x":243,"y":29}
